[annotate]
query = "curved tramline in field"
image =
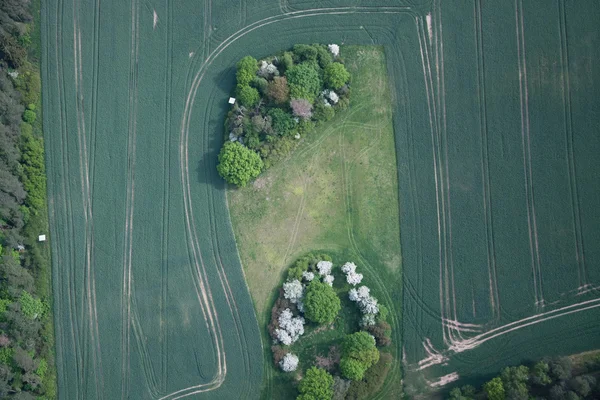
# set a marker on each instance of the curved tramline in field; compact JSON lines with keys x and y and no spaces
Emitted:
{"x":495,"y":163}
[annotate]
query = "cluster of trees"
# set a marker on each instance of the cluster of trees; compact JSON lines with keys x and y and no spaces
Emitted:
{"x":279,"y":99}
{"x":359,"y":369}
{"x":550,"y":379}
{"x":26,"y":363}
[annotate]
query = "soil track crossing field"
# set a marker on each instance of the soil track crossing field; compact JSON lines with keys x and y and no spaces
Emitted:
{"x":497,"y":180}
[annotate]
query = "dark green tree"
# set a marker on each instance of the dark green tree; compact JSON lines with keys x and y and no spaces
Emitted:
{"x":238,"y":164}
{"x":321,"y":303}
{"x":282,"y":122}
{"x":539,"y":374}
{"x":304,"y":81}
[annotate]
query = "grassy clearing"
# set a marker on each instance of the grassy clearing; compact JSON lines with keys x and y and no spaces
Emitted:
{"x":337,"y":193}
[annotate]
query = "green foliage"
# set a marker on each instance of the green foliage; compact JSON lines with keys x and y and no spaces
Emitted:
{"x":42,"y":368}
{"x":246,"y":70}
{"x":261,"y":84}
{"x":6,"y":355}
{"x":4,"y":303}
{"x":494,"y":389}
{"x":317,"y":384}
{"x":304,"y":52}
{"x":561,"y":368}
{"x":321,"y":303}
{"x":304,"y":81}
{"x":305,"y":263}
{"x":323,"y":55}
{"x":31,"y":106}
{"x":323,"y":112}
{"x":352,"y":369}
{"x":34,"y":174}
{"x":336,"y":75}
{"x":29,"y":116}
{"x":515,"y":380}
{"x":372,"y":381}
{"x":238,"y":164}
{"x":282,"y":122}
{"x":287,"y":60}
{"x":29,"y":84}
{"x":31,"y":307}
{"x":247,"y":95}
{"x":539,"y":373}
{"x":358,"y":346}
{"x":467,"y":392}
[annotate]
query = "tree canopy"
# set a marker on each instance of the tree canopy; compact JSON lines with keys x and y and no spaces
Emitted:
{"x":304,"y":81}
{"x":336,"y":75}
{"x":358,"y":354}
{"x":238,"y":164}
{"x":317,"y":384}
{"x":321,"y":303}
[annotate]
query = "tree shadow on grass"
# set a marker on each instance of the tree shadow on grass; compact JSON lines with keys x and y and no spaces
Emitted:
{"x":206,"y":169}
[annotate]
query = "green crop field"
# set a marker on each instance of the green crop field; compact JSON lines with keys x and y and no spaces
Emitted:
{"x":495,"y":116}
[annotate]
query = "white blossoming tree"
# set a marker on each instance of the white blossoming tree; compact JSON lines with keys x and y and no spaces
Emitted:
{"x":324,"y":267}
{"x":293,"y":291}
{"x":369,"y":305}
{"x":292,"y":326}
{"x":363,"y":292}
{"x":334,"y":49}
{"x":354,"y":279}
{"x":353,"y":295}
{"x":308,"y":276}
{"x":328,"y":279}
{"x":349,"y":268}
{"x":368,"y":320}
{"x":289,"y":362}
{"x":283,"y":336}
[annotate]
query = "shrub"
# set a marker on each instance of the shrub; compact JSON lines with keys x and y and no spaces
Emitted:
{"x":304,"y":81}
{"x":282,"y":122}
{"x":261,"y":84}
{"x":301,"y":108}
{"x":247,"y":95}
{"x":358,"y":346}
{"x":278,"y":90}
{"x":246,"y":70}
{"x":372,"y":381}
{"x":321,"y":303}
{"x":336,"y":75}
{"x":287,"y":60}
{"x":316,"y":385}
{"x":323,"y":112}
{"x":381,"y":331}
{"x":293,"y":291}
{"x":494,"y":389}
{"x":352,"y":369}
{"x":29,"y":116}
{"x":31,"y":106}
{"x":238,"y":164}
{"x":30,"y":306}
{"x":304,"y":52}
{"x":323,"y":55}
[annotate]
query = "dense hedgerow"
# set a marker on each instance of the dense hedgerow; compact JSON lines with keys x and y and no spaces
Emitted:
{"x":282,"y":97}
{"x":26,"y":332}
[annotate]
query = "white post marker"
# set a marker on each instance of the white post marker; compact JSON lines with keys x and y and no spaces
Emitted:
{"x":232,"y":100}
{"x":42,"y":238}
